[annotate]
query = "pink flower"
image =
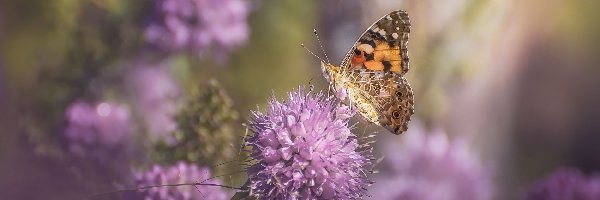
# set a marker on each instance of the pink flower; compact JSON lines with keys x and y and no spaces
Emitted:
{"x":215,"y":26}
{"x":429,"y":166}
{"x":304,"y":149}
{"x":178,"y":174}
{"x":566,"y":184}
{"x":97,"y":129}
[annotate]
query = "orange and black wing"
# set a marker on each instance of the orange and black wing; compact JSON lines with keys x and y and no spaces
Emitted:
{"x":383,"y":46}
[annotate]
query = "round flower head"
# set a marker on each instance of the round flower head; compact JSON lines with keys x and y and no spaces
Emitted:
{"x":97,"y":130}
{"x":303,"y":149}
{"x":199,"y":25}
{"x":566,"y":184}
{"x":429,"y":166}
{"x":178,"y":174}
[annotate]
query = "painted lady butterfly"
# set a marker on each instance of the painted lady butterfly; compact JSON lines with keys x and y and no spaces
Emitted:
{"x":371,"y":76}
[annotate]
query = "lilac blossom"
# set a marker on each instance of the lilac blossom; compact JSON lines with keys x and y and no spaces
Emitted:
{"x":155,"y":95}
{"x":304,"y":149}
{"x":178,"y":174}
{"x":429,"y":166}
{"x":97,"y":130}
{"x":566,"y":184}
{"x":199,"y":25}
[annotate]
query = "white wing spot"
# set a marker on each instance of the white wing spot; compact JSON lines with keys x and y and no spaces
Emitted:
{"x":395,"y":35}
{"x":364,"y":77}
{"x":382,"y":32}
{"x":367,"y":48}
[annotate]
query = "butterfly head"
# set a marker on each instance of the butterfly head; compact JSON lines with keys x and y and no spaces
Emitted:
{"x":328,"y":71}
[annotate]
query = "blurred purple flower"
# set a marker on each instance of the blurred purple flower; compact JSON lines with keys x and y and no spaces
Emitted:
{"x":97,"y":130}
{"x":177,"y":174}
{"x":427,"y":166}
{"x":566,"y":184}
{"x":199,"y":25}
{"x":304,"y":149}
{"x":155,"y":95}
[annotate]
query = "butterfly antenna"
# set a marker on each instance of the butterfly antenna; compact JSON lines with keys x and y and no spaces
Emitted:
{"x":309,"y":51}
{"x":321,"y":45}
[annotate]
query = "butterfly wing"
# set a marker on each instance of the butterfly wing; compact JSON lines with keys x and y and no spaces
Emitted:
{"x":385,"y":99}
{"x":383,"y":46}
{"x":397,"y":106}
{"x":372,"y":74}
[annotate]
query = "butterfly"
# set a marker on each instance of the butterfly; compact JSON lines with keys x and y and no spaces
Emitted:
{"x":371,"y":76}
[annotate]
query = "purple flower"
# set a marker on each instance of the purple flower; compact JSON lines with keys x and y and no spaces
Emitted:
{"x":566,"y":184}
{"x":199,"y":25}
{"x":428,"y":166}
{"x":177,"y":174}
{"x":97,"y":130}
{"x":155,"y":95}
{"x":304,"y":149}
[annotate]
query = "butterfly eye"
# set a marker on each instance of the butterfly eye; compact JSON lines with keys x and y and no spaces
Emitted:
{"x":357,"y":52}
{"x":396,"y":114}
{"x":398,"y":93}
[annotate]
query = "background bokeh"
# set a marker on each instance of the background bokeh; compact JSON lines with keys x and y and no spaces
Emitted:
{"x":92,"y":90}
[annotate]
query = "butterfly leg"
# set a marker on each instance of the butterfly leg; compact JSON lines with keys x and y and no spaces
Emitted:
{"x":311,"y":86}
{"x":344,"y":94}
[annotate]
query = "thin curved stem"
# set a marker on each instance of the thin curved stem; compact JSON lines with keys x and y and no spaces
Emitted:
{"x":155,"y":186}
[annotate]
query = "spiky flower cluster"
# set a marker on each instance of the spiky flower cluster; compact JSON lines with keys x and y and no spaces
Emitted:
{"x":303,"y":149}
{"x":179,"y":173}
{"x":198,"y":25}
{"x":429,"y":166}
{"x":566,"y":184}
{"x":97,"y":130}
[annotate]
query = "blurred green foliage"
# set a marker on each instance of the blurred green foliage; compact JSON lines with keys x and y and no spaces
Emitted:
{"x":208,"y":130}
{"x":272,"y":61}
